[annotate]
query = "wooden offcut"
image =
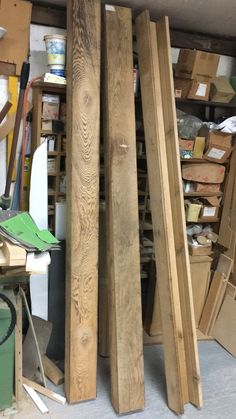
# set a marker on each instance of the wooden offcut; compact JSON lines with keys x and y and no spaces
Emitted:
{"x":228,"y":218}
{"x":52,"y":371}
{"x":164,"y":243}
{"x":123,"y":261}
{"x":83,"y":116}
{"x":215,"y":295}
{"x":193,"y":394}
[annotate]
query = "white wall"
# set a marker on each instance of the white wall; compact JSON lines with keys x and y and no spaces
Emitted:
{"x":38,"y":55}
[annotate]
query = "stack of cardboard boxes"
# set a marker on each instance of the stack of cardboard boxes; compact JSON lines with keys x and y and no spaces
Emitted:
{"x":195,"y":77}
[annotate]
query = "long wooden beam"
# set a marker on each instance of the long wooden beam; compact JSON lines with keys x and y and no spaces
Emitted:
{"x":83,"y":116}
{"x":48,"y":16}
{"x":161,"y":213}
{"x":125,"y":320}
{"x":177,"y":206}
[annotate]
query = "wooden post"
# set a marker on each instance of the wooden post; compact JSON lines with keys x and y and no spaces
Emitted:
{"x":125,"y":322}
{"x":18,"y":349}
{"x":83,"y":118}
{"x":164,"y":244}
{"x":193,"y":391}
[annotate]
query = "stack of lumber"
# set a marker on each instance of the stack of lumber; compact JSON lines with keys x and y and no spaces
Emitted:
{"x":122,"y":223}
{"x":173,"y":289}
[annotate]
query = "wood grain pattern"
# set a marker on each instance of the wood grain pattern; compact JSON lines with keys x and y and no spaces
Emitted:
{"x":83,"y":115}
{"x":192,"y":388}
{"x":123,"y":260}
{"x":161,"y":211}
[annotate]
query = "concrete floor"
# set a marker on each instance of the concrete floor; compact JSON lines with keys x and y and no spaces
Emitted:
{"x":218,"y":369}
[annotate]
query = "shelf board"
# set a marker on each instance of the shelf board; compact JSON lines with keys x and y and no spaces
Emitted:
{"x":206,"y":220}
{"x":53,"y":153}
{"x":53,"y":132}
{"x":206,"y":103}
{"x":44,"y":85}
{"x":202,"y":194}
{"x":51,"y":192}
{"x":200,"y":161}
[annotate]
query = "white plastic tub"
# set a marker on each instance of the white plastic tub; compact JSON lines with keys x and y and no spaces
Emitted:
{"x":56,"y":49}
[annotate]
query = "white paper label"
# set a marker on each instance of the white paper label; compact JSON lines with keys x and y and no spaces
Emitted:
{"x":209,"y":211}
{"x":110,"y":8}
{"x":201,"y":90}
{"x":216,"y":153}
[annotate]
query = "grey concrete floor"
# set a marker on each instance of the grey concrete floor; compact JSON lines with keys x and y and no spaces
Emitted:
{"x":218,"y":371}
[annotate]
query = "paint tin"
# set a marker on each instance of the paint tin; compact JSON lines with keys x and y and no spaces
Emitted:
{"x":58,"y":70}
{"x":56,"y":49}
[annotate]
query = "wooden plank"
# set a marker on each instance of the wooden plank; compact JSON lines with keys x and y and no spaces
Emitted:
{"x":7,"y":69}
{"x":226,"y":232}
{"x":18,"y":349}
{"x":13,"y":92}
{"x":52,"y":371}
{"x":200,"y":277}
{"x":48,"y":16}
{"x":225,"y":327}
{"x":83,"y":115}
{"x":45,"y":391}
{"x":36,"y":399}
{"x":161,"y":212}
{"x":123,"y":260}
{"x":215,"y":295}
{"x":231,"y":290}
{"x":194,"y":394}
{"x":204,"y":42}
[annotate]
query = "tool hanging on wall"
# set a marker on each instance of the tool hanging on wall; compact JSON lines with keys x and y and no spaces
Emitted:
{"x":5,"y":200}
{"x":13,"y":92}
{"x":5,"y":110}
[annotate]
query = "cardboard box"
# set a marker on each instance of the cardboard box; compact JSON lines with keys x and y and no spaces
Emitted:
{"x":220,"y":138}
{"x":191,"y":89}
{"x":182,"y":87}
{"x":199,"y":146}
{"x":221,"y":90}
{"x":199,"y":90}
{"x":15,"y":17}
{"x":200,"y":249}
{"x":186,"y":144}
{"x":219,"y":147}
{"x":207,"y":187}
{"x":51,"y":106}
{"x":204,"y":172}
{"x":208,"y":212}
{"x":192,"y":211}
{"x":198,"y":65}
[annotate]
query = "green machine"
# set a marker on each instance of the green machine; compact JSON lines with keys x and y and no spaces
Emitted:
{"x":7,"y":339}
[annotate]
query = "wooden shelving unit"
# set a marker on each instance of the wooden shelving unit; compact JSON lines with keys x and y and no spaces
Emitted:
{"x":59,"y":154}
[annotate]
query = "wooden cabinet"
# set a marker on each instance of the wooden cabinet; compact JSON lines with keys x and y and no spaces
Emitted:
{"x":56,"y":146}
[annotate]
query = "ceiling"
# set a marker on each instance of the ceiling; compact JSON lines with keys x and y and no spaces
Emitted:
{"x":215,"y":17}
